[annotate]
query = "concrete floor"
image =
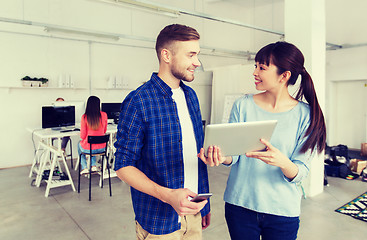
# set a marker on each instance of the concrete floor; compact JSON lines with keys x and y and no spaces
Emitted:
{"x":26,"y":214}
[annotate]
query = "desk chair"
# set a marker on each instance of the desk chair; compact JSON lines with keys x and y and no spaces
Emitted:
{"x":96,"y":140}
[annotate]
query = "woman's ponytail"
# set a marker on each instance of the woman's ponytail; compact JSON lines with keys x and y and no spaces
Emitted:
{"x":316,"y":132}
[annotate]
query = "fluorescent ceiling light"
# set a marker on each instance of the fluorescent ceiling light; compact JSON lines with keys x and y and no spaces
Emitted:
{"x":81,"y":33}
{"x":145,"y":5}
{"x":226,"y":53}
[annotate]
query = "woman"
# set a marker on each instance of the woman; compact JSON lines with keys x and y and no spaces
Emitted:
{"x":262,"y":197}
{"x":93,"y":123}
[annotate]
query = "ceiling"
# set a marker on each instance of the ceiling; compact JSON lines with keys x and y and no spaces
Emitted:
{"x":345,"y":20}
{"x":247,"y":3}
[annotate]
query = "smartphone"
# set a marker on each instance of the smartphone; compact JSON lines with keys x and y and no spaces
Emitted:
{"x":201,"y":197}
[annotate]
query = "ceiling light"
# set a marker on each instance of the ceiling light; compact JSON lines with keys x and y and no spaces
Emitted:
{"x":145,"y":5}
{"x":79,"y":33}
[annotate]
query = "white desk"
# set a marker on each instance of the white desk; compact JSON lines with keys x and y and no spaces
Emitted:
{"x":42,"y":161}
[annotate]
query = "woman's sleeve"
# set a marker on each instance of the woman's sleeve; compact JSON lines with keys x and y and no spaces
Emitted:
{"x":233,"y":118}
{"x":83,"y":128}
{"x":104,"y":119}
{"x":302,"y":160}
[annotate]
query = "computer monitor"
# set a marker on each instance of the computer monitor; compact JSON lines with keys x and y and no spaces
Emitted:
{"x":112,"y":110}
{"x":79,"y":108}
{"x":58,"y":116}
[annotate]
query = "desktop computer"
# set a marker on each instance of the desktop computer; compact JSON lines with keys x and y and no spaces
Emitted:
{"x":56,"y":117}
{"x":112,"y":110}
{"x":79,"y":108}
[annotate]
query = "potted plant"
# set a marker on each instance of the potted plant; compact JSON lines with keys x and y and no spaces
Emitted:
{"x":34,"y":82}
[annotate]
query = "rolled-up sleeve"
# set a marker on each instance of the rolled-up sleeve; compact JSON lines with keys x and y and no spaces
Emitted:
{"x":302,"y":160}
{"x":234,"y":117}
{"x":129,"y":135}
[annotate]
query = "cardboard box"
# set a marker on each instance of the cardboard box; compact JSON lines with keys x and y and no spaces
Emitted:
{"x":357,"y":165}
{"x":363,"y":149}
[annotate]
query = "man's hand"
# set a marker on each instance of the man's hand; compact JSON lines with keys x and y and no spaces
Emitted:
{"x":214,"y":156}
{"x":206,"y":221}
{"x":178,"y":199}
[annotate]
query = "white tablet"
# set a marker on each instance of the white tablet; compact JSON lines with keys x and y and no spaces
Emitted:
{"x":238,"y":138}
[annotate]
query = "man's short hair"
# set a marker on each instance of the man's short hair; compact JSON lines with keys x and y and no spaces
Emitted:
{"x":172,"y":33}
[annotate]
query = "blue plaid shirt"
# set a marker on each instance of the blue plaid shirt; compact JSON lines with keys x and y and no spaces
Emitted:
{"x":149,"y":138}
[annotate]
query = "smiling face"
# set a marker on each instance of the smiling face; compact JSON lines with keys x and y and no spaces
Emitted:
{"x":184,"y":59}
{"x":267,"y":77}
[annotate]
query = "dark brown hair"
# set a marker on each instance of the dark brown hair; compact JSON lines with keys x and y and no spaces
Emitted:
{"x":93,"y":112}
{"x":174,"y":32}
{"x":287,"y":57}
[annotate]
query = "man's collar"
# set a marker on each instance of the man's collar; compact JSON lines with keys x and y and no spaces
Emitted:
{"x":164,"y":86}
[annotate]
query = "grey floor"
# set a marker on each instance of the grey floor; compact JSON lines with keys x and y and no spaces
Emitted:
{"x":26,"y":214}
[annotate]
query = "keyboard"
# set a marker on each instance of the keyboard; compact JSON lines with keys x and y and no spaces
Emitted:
{"x":66,"y":130}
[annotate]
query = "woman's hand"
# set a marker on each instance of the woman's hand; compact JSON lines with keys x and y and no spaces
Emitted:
{"x":214,"y":156}
{"x":271,"y":155}
{"x":274,"y":157}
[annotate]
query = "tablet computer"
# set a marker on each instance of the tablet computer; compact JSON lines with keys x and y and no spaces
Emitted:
{"x":238,"y":138}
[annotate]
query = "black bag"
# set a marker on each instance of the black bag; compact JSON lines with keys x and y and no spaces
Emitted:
{"x":334,"y":167}
{"x":339,"y":151}
{"x":344,"y":171}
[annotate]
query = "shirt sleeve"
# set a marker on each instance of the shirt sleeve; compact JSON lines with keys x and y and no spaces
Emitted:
{"x":104,"y":120}
{"x":302,"y":160}
{"x":83,"y":128}
{"x":303,"y":167}
{"x":233,"y":118}
{"x":129,"y":138}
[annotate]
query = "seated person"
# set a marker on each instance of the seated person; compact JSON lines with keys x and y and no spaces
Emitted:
{"x":64,"y":140}
{"x":93,"y":123}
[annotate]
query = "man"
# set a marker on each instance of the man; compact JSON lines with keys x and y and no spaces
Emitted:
{"x":159,"y":135}
{"x":65,"y":140}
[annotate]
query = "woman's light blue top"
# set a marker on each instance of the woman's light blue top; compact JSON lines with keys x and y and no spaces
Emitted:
{"x":260,"y":187}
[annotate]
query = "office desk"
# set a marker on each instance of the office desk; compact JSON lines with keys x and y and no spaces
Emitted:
{"x":49,"y":158}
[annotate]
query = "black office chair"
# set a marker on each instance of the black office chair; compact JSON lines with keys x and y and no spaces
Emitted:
{"x":96,"y":140}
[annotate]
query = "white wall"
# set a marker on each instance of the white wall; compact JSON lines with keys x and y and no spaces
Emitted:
{"x":26,"y":49}
{"x":346,"y":75}
{"x":29,"y":50}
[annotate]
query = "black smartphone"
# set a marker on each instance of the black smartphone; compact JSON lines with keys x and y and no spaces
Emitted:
{"x":201,"y":197}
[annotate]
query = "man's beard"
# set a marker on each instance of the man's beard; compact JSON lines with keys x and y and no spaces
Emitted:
{"x":182,"y":76}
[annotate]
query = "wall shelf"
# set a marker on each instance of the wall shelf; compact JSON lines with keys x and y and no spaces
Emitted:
{"x":8,"y":89}
{"x":112,"y":88}
{"x":43,"y":88}
{"x":57,"y":88}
